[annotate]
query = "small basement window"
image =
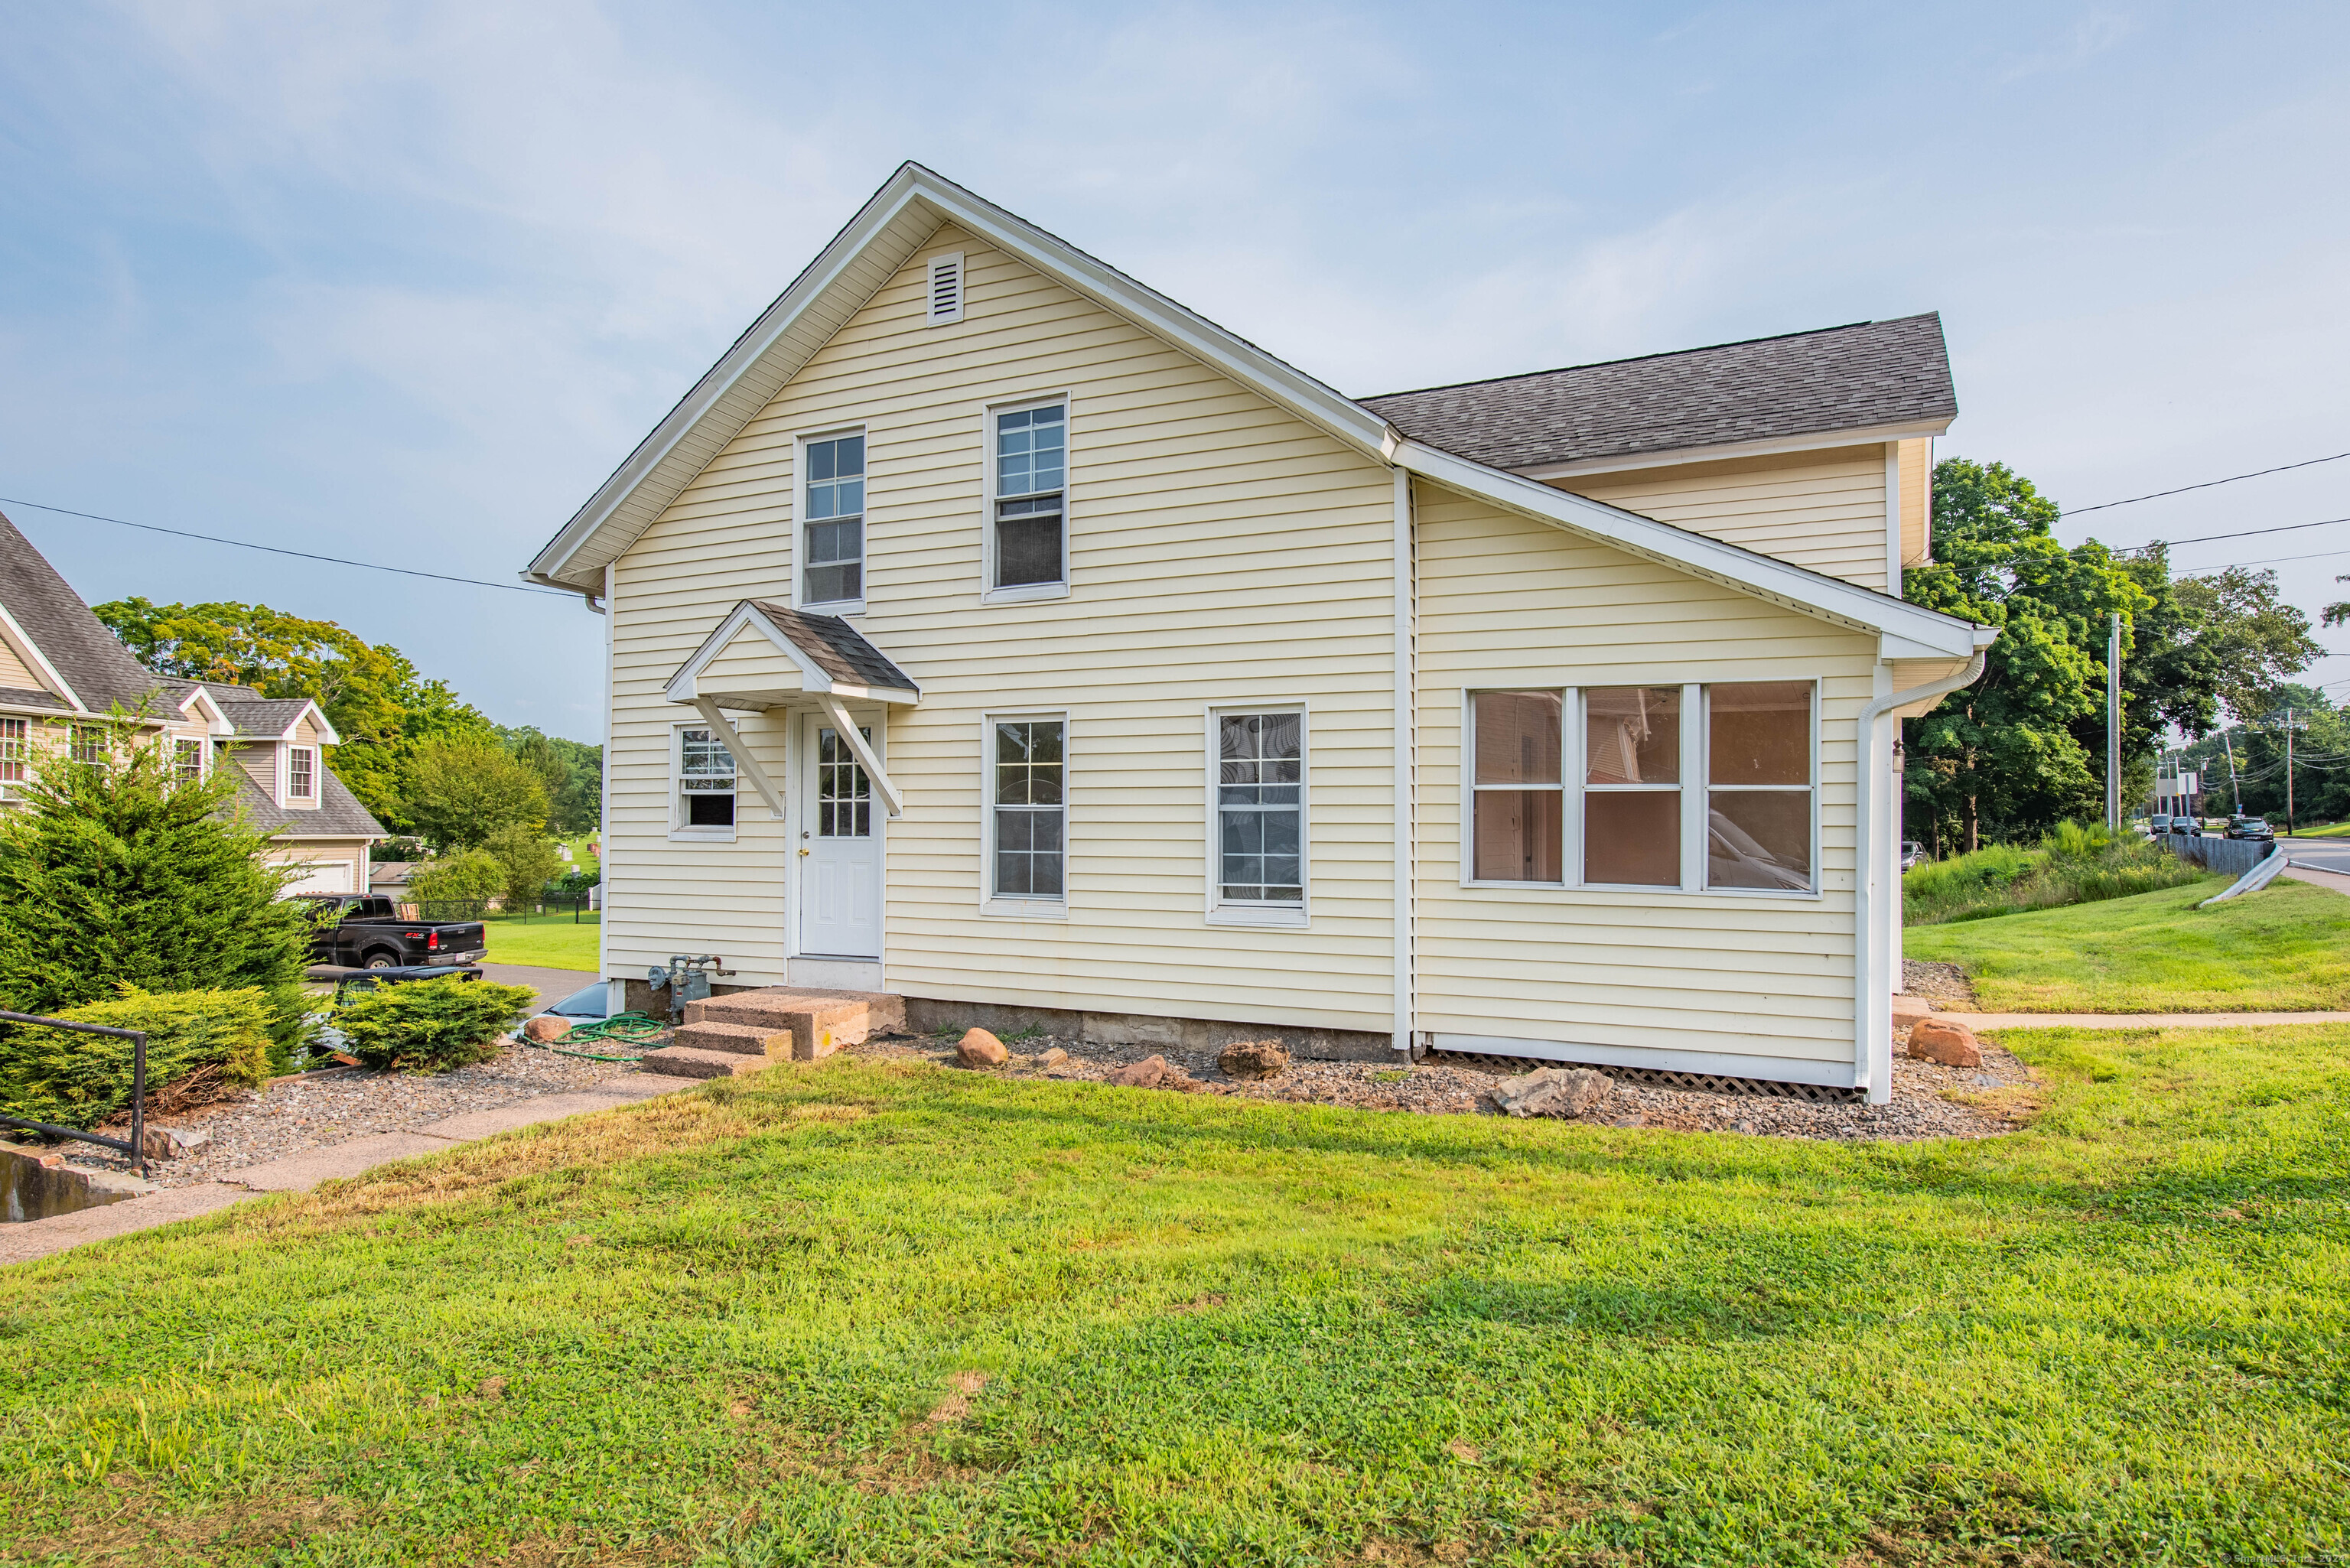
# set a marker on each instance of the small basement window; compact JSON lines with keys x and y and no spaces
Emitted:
{"x":705,"y":781}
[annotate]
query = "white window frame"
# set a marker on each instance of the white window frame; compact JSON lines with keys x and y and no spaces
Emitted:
{"x":311,"y":797}
{"x":1025,"y":593}
{"x":1019,"y":907}
{"x":678,"y":829}
{"x":1696,"y":791}
{"x":1224,"y":911}
{"x":1570,"y":831}
{"x":1705,"y":763}
{"x":204,"y":757}
{"x":931,"y":315}
{"x":15,"y":748}
{"x":1691,"y":721}
{"x":800,"y":444}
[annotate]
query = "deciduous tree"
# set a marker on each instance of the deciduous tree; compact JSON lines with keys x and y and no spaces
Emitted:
{"x":460,"y":791}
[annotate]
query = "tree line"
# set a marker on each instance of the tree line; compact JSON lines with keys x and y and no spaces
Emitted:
{"x":425,"y":763}
{"x":2024,"y":747}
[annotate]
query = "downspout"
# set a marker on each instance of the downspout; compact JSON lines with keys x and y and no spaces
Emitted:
{"x":1872,"y":997}
{"x":1403,"y":719}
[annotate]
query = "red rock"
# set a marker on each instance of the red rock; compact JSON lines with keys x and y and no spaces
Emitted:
{"x":1254,"y":1059}
{"x":978,"y":1048}
{"x":1946,"y":1041}
{"x":546,"y":1027}
{"x":1143,"y":1074}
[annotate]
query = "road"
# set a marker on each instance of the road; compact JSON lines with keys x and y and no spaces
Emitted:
{"x":2325,"y":854}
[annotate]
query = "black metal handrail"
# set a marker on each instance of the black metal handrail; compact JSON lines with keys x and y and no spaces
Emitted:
{"x":137,"y":1148}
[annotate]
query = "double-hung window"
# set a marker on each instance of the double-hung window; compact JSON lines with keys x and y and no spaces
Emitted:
{"x":1261,"y":812}
{"x":832,"y":526}
{"x":301,"y":773}
{"x":1027,"y":809}
{"x":1631,"y":785}
{"x":188,"y":761}
{"x":1518,"y":799}
{"x":12,"y":748}
{"x":1028,"y":513}
{"x":1758,"y":776}
{"x":705,"y":775}
{"x":87,"y":744}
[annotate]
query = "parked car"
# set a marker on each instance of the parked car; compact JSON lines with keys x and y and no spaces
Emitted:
{"x":2190,"y":826}
{"x":364,"y":931}
{"x":1913,"y":854}
{"x":2158,"y":824}
{"x":589,"y":1004}
{"x":2244,"y":826}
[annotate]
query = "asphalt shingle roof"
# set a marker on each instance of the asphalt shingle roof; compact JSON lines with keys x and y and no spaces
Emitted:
{"x":256,"y":715}
{"x":836,"y":646}
{"x":1806,"y":383}
{"x":339,"y":814}
{"x":101,"y":671}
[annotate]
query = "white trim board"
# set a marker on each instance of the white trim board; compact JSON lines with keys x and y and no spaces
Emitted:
{"x":1674,"y":457}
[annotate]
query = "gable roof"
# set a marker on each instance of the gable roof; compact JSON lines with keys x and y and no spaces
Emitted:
{"x":1869,"y":376}
{"x":902,"y":215}
{"x":831,"y":655}
{"x":98,"y":673}
{"x":337,"y":815}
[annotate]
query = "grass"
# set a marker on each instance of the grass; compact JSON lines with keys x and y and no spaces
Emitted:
{"x":2078,"y":863}
{"x":548,"y":941}
{"x":863,"y":1313}
{"x":2286,"y":947}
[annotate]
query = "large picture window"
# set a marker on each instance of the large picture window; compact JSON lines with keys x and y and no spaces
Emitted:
{"x":1261,"y":809}
{"x":1030,"y":469}
{"x":1518,"y":834}
{"x":832,"y":530}
{"x":1631,"y":785}
{"x":1028,"y":809}
{"x":705,"y":774}
{"x":1759,"y":785}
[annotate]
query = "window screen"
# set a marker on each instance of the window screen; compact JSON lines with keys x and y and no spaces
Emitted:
{"x":1030,"y":809}
{"x":1759,"y":785}
{"x":1632,"y":774}
{"x":1032,"y":449}
{"x":834,"y":530}
{"x":1519,"y":803}
{"x":705,"y":780}
{"x":1261,"y":807}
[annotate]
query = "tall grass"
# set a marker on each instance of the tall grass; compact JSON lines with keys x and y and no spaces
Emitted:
{"x":2076,"y":863}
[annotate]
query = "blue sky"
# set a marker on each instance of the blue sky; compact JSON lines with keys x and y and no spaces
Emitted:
{"x":405,"y":282}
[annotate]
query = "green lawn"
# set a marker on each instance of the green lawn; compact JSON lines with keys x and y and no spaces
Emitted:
{"x":895,"y":1313}
{"x":547,"y":941}
{"x":2286,"y":948}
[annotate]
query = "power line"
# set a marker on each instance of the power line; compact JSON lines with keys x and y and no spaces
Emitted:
{"x":2207,"y":538}
{"x":299,"y":554}
{"x":2133,"y":500}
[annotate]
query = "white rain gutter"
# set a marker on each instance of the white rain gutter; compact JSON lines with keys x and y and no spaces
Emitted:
{"x":1406,"y":814}
{"x":1871,"y":999}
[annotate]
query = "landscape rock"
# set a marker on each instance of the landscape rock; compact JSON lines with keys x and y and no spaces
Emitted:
{"x":1051,"y":1058}
{"x":172,"y":1143}
{"x":546,"y":1027}
{"x":1552,"y":1091}
{"x":1143,"y":1074}
{"x":1253,"y":1058}
{"x":1951,"y":1043}
{"x":978,"y":1048}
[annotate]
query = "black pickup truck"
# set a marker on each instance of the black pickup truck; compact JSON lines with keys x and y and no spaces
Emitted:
{"x":367,"y":932}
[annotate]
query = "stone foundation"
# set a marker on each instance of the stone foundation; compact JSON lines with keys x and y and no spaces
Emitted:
{"x":930,"y":1015}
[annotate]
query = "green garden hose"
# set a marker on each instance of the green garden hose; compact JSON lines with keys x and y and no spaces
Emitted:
{"x":621,"y":1028}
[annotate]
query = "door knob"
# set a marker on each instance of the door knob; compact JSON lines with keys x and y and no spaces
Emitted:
{"x":804,"y":852}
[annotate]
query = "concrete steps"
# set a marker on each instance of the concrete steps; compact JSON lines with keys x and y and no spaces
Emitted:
{"x":741,"y":1039}
{"x":814,"y":1022}
{"x":688,"y":1062}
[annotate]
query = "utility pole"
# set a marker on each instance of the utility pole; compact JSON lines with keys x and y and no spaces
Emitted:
{"x":2288,"y":773}
{"x":2233,"y":787}
{"x":2113,"y":726}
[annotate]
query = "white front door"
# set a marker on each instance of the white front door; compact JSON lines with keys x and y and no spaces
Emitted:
{"x":840,"y":850}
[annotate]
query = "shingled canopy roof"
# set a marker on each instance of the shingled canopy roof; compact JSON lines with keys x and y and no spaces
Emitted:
{"x":836,"y":647}
{"x":1869,"y":375}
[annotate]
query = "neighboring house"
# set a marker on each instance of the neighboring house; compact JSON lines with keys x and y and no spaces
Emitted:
{"x":990,"y":629}
{"x":389,"y":879}
{"x":62,"y":672}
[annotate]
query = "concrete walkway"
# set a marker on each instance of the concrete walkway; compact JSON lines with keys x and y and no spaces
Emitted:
{"x":301,"y":1172}
{"x":1980,"y":1021}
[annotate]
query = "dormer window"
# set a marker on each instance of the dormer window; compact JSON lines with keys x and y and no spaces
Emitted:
{"x":302,"y":772}
{"x":187,"y":761}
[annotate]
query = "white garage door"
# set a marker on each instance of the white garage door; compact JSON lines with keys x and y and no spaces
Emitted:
{"x":334,"y":878}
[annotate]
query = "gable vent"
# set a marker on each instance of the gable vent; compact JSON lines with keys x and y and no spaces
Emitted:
{"x":946,"y":290}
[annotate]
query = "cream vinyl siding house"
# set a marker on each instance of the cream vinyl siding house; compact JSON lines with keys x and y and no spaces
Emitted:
{"x":988,"y":629}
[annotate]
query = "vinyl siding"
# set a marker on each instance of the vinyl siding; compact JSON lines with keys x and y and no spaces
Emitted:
{"x":1916,"y":502}
{"x":1221,"y":552}
{"x":1823,"y":510}
{"x":15,"y":674}
{"x":1506,"y":602}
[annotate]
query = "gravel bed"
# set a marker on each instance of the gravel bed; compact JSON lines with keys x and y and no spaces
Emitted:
{"x":317,"y":1110}
{"x":1943,"y":984}
{"x":1452,"y":1085}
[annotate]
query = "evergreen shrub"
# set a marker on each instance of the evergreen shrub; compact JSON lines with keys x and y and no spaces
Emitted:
{"x":469,"y":876}
{"x":78,"y":1080}
{"x":429,"y":1025}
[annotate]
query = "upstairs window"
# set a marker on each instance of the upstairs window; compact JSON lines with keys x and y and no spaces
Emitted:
{"x":188,"y":761}
{"x":944,"y":302}
{"x":87,"y":744}
{"x":11,"y":749}
{"x":1028,"y":815}
{"x":1632,"y":786}
{"x":301,"y":773}
{"x":1028,"y":546}
{"x":705,"y":781}
{"x":1261,"y":809}
{"x":833,"y":530}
